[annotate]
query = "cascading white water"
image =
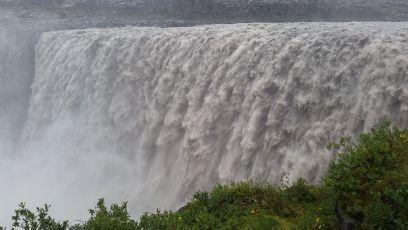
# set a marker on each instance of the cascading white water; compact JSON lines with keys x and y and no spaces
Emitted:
{"x":45,"y":173}
{"x":182,"y":109}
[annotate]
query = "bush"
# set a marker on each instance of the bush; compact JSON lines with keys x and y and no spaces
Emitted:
{"x":250,"y":205}
{"x":102,"y":218}
{"x":370,"y":178}
{"x":117,"y":217}
{"x":26,"y":219}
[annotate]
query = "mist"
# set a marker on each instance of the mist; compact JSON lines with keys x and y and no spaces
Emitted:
{"x":55,"y":166}
{"x":151,"y":101}
{"x":47,"y":169}
{"x":46,"y":172}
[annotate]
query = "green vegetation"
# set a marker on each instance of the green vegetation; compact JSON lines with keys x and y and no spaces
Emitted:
{"x":370,"y":179}
{"x":366,"y":187}
{"x":116,"y":217}
{"x":248,"y":205}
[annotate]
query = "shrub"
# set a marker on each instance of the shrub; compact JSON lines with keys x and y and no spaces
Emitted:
{"x":102,"y":218}
{"x":28,"y":220}
{"x":370,"y":178}
{"x":250,"y":205}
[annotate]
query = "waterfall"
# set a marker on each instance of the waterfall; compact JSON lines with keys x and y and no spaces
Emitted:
{"x":48,"y":172}
{"x":178,"y":110}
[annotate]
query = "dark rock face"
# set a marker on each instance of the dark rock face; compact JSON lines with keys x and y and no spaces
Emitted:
{"x":258,"y":10}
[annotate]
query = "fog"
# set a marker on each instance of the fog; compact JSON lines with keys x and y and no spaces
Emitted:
{"x":143,"y":101}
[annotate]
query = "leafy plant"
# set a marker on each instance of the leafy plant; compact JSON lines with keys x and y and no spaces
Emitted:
{"x":102,"y":218}
{"x":27,"y":220}
{"x":370,"y":178}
